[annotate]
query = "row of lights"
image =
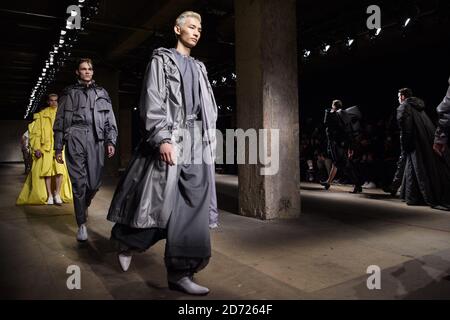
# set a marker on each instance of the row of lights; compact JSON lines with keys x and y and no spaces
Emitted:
{"x":59,"y":53}
{"x":222,"y":80}
{"x":224,"y":108}
{"x":349,"y":41}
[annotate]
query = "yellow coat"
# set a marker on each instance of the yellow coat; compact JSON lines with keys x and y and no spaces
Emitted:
{"x":41,"y":138}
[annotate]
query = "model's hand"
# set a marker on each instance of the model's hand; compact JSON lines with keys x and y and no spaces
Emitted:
{"x":111,"y":150}
{"x":350,"y":153}
{"x":38,"y":153}
{"x":166,"y":153}
{"x":439,"y":148}
{"x":59,"y":157}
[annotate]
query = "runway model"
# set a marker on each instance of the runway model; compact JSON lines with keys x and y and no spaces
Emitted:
{"x":48,"y":181}
{"x":425,"y":175}
{"x":85,"y":125}
{"x":166,"y":192}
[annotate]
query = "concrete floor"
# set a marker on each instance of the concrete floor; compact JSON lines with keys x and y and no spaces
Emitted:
{"x":322,"y":255}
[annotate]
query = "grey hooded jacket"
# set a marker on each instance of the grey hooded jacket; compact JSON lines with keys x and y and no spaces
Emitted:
{"x":144,"y":197}
{"x":443,"y":110}
{"x":82,"y":96}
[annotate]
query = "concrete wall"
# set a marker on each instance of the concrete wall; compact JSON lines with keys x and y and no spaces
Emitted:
{"x":11,"y":132}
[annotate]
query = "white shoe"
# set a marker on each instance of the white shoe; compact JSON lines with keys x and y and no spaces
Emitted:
{"x":82,"y":233}
{"x":57,"y":199}
{"x":371,"y":185}
{"x":188,"y":286}
{"x":50,"y":200}
{"x":213,"y":226}
{"x":125,"y":261}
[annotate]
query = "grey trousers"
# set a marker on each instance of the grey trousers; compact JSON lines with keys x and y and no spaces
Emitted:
{"x":399,"y":173}
{"x":188,"y":245}
{"x":85,"y":160}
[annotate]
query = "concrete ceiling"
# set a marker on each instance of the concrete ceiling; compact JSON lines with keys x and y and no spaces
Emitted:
{"x":124,"y":34}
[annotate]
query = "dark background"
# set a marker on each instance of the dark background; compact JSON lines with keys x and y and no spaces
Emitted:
{"x":369,"y":75}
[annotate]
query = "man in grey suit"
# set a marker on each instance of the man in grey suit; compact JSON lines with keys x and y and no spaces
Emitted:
{"x":85,"y":125}
{"x":165,"y":193}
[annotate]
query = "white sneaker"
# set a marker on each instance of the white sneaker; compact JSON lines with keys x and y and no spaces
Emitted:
{"x":188,"y":286}
{"x":371,"y":185}
{"x":125,"y":261}
{"x":82,"y":233}
{"x":213,"y":226}
{"x":50,"y":200}
{"x":57,"y":199}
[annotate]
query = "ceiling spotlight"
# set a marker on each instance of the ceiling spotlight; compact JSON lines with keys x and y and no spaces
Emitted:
{"x":325,"y":48}
{"x":233,"y":76}
{"x":306,"y":53}
{"x":407,"y":22}
{"x":214,"y":82}
{"x":224,"y":79}
{"x":349,"y":42}
{"x":80,"y":1}
{"x":61,"y":41}
{"x":63,"y":32}
{"x":378,"y":32}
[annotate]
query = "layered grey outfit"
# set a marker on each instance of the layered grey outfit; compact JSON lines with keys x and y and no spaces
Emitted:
{"x":443,"y":110}
{"x":155,"y":201}
{"x":84,"y":122}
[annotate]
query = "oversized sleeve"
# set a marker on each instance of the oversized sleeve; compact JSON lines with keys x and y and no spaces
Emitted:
{"x":111,"y":125}
{"x":153,"y":103}
{"x":443,"y":126}
{"x":58,"y":126}
{"x":405,"y":122}
{"x":36,"y":132}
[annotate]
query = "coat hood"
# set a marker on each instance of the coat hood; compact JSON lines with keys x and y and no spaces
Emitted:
{"x":169,"y":53}
{"x":416,"y":103}
{"x":162,"y":51}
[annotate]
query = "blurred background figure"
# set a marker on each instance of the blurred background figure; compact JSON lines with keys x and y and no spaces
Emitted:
{"x":26,"y":149}
{"x":48,"y":181}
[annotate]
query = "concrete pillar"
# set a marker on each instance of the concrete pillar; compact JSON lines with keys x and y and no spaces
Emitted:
{"x":267,"y":97}
{"x":108,"y":78}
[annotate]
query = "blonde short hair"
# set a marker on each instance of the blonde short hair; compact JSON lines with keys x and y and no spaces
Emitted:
{"x":52,"y":95}
{"x":181,"y":20}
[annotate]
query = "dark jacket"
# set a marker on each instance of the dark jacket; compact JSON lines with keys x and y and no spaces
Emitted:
{"x":426,"y":177}
{"x":443,"y":110}
{"x":80,"y":96}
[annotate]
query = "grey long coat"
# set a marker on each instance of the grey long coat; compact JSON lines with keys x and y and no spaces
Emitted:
{"x":443,"y":110}
{"x":144,"y":196}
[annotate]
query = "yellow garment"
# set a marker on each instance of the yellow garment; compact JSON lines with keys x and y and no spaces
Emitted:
{"x":34,"y":190}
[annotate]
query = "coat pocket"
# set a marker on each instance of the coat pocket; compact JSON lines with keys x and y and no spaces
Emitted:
{"x":102,"y":105}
